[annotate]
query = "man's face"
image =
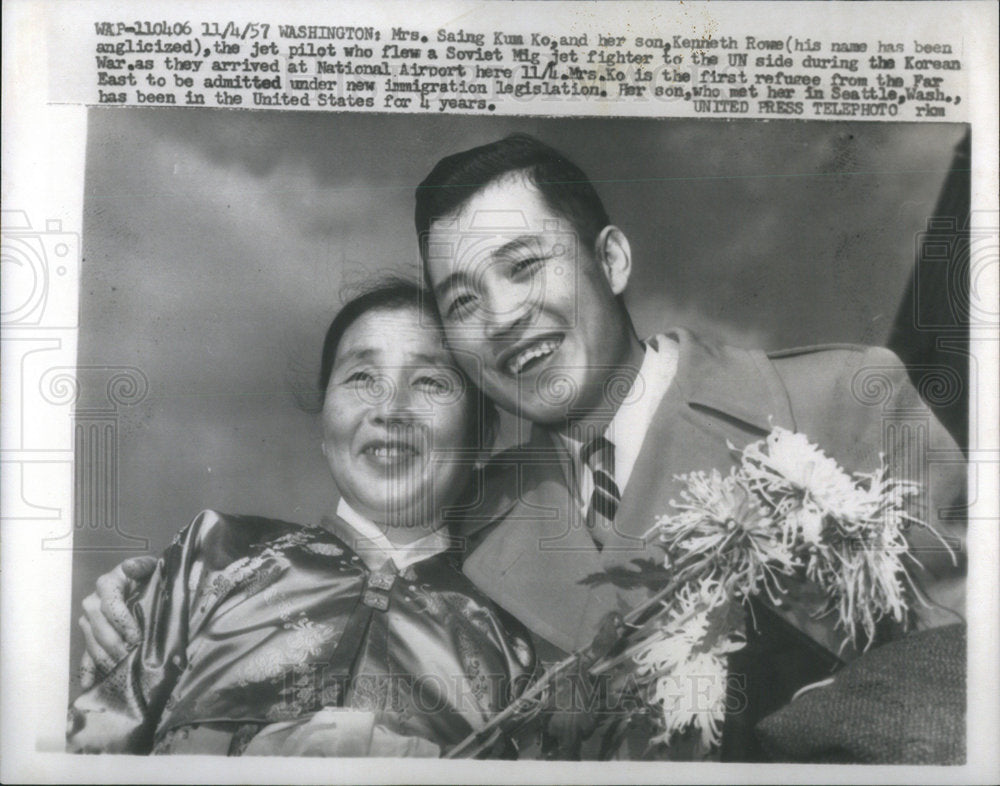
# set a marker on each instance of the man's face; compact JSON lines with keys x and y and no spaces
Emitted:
{"x":528,"y":309}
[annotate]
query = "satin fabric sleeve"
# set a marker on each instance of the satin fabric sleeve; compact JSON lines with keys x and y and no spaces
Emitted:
{"x":120,"y":714}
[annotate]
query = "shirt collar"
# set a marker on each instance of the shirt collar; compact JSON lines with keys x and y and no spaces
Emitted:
{"x":372,"y":545}
{"x":628,"y":427}
{"x":632,"y":420}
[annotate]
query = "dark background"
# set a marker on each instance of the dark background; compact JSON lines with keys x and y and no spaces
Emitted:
{"x":218,"y":244}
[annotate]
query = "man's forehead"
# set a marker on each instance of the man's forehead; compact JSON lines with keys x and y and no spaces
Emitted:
{"x":490,"y":232}
{"x":462,"y":259}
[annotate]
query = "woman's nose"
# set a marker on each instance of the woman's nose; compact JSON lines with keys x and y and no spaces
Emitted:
{"x":396,"y":404}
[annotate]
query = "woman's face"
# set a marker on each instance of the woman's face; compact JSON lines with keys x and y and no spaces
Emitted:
{"x":397,"y":425}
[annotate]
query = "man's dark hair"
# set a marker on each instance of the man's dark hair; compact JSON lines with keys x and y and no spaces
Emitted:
{"x":563,"y":185}
{"x":391,"y":294}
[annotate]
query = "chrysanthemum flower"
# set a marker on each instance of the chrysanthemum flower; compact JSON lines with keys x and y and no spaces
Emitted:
{"x":684,"y":663}
{"x":786,"y":509}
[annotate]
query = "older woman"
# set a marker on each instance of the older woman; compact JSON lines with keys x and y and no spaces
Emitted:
{"x":357,"y":638}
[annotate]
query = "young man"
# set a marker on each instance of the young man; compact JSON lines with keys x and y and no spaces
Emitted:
{"x":529,"y":272}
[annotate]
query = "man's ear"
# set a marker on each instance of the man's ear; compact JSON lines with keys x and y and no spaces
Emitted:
{"x":614,"y":255}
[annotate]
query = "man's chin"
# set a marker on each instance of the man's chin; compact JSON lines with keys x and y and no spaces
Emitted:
{"x":546,"y":416}
{"x":549,"y":410}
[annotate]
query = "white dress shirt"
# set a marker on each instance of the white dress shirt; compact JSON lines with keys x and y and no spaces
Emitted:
{"x":628,"y":427}
{"x":372,"y":545}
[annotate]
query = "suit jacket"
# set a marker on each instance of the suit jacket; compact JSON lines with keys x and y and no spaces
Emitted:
{"x":529,"y":551}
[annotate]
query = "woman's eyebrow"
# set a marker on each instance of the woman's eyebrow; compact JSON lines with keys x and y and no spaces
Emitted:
{"x":365,"y":353}
{"x":428,"y":359}
{"x":413,"y":359}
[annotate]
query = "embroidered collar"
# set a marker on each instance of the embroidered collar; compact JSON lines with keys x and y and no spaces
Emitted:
{"x":370,"y":543}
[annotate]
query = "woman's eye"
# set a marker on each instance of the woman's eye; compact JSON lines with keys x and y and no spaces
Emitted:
{"x":437,"y":384}
{"x":359,"y":378}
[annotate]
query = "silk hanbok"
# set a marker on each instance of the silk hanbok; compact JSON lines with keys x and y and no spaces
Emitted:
{"x":252,"y":625}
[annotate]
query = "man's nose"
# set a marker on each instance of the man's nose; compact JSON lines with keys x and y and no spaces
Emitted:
{"x":509,"y":309}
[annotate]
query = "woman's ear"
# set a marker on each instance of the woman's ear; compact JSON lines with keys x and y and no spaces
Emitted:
{"x":614,"y":255}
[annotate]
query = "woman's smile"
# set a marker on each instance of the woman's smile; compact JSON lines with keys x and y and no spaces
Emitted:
{"x":391,"y":452}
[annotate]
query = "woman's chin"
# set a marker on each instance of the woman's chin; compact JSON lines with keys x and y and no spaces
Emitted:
{"x":404,"y":505}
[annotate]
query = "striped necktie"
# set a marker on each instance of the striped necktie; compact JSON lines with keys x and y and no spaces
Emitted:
{"x":599,"y":456}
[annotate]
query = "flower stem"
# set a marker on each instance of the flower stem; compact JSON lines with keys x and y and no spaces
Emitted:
{"x":478,"y":741}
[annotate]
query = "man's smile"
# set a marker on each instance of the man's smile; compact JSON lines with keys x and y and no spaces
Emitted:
{"x":527,"y":354}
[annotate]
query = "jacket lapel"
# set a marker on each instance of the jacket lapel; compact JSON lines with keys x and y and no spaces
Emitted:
{"x":719,"y":395}
{"x":534,"y":561}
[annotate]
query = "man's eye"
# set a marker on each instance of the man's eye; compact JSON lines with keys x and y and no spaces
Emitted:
{"x":461,"y":305}
{"x":525,"y":265}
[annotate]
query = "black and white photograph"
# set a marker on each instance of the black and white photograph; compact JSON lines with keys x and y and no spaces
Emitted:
{"x":772,"y":265}
{"x":524,"y":440}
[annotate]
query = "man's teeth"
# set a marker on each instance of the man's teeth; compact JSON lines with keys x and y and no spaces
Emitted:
{"x":542,"y":348}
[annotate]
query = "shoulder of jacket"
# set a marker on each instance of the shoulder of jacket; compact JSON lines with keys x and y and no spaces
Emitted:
{"x":813,"y":349}
{"x":231,"y":531}
{"x":838,"y":356}
{"x":209,"y":518}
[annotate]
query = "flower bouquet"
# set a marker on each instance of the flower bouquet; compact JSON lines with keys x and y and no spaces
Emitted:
{"x":784,"y":512}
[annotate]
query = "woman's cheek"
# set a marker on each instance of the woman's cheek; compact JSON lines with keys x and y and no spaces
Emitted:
{"x":341,"y":413}
{"x":450,"y":432}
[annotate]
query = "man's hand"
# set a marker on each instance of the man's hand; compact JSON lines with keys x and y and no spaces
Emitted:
{"x":573,"y":708}
{"x":571,"y":720}
{"x":109,"y":629}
